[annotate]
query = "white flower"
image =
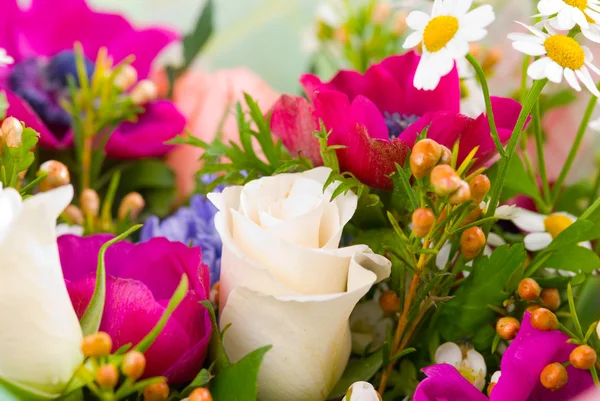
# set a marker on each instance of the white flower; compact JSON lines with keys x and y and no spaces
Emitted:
{"x":362,"y":391}
{"x":285,"y":282}
{"x":473,"y":104}
{"x":466,"y":360}
{"x":369,"y":326}
{"x":5,"y":59}
{"x":65,"y":229}
{"x":445,"y":37}
{"x":40,"y":338}
{"x":570,"y":13}
{"x":564,"y":57}
{"x":594,"y":125}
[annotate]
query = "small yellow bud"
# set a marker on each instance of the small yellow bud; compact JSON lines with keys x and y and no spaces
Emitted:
{"x":58,"y":175}
{"x":144,"y":92}
{"x":156,"y":392}
{"x":12,"y":132}
{"x":126,"y":78}
{"x":583,"y":357}
{"x":90,"y":202}
{"x":554,"y":376}
{"x":134,"y":365}
{"x":472,"y":241}
{"x":97,"y":344}
{"x":444,"y":180}
{"x":461,"y":195}
{"x":200,"y":394}
{"x":507,"y":328}
{"x":131,"y":206}
{"x":529,"y":289}
{"x":73,"y":215}
{"x":544,"y":320}
{"x":107,"y":376}
{"x":422,"y":220}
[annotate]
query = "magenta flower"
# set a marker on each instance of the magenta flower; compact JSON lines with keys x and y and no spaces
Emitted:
{"x":140,"y":281}
{"x":377,"y":117}
{"x":521,"y":366}
{"x":41,"y":40}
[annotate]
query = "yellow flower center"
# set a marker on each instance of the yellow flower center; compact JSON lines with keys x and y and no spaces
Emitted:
{"x":556,"y":223}
{"x":565,"y":51}
{"x":439,"y":31}
{"x":580,"y":4}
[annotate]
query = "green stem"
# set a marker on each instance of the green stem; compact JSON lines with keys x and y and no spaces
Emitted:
{"x":488,"y":103}
{"x":539,"y":145}
{"x":596,"y":188}
{"x":523,"y":95}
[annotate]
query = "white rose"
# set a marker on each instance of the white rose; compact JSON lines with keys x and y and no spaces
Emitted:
{"x":285,"y":282}
{"x":41,"y":338}
{"x":362,"y":391}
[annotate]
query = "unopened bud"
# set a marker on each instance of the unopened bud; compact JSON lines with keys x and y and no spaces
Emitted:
{"x":107,"y":376}
{"x":424,"y":156}
{"x":583,"y":357}
{"x":554,"y":376}
{"x":550,"y":299}
{"x":532,"y":307}
{"x":472,"y":241}
{"x":131,"y":206}
{"x":529,"y":289}
{"x":134,"y":364}
{"x":446,"y":156}
{"x":381,"y":12}
{"x":461,"y":195}
{"x":544,"y":320}
{"x":57,"y":175}
{"x":399,"y":24}
{"x":200,"y":394}
{"x":492,"y":58}
{"x":472,"y":216}
{"x":507,"y":328}
{"x":12,"y":132}
{"x":156,"y":392}
{"x":97,"y":344}
{"x":422,"y":220}
{"x":126,"y":77}
{"x":215,"y":292}
{"x":144,"y":92}
{"x":389,"y":302}
{"x":444,"y":180}
{"x":493,"y":381}
{"x":73,"y":215}
{"x":480,"y":186}
{"x":90,"y":202}
{"x":490,"y":387}
{"x":341,"y":35}
{"x":362,"y":391}
{"x":474,"y":49}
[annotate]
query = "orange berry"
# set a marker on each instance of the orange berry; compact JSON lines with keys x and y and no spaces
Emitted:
{"x":131,"y":206}
{"x":156,"y":392}
{"x":89,"y":202}
{"x":472,"y":241}
{"x":134,"y":364}
{"x":12,"y":132}
{"x":529,"y":289}
{"x":480,"y":186}
{"x":507,"y":328}
{"x":472,"y":216}
{"x":422,"y":220}
{"x":543,"y":319}
{"x":73,"y":215}
{"x":107,"y":376}
{"x":58,"y":175}
{"x":550,"y":298}
{"x":490,"y":387}
{"x":461,"y":195}
{"x":446,"y":156}
{"x":583,"y":357}
{"x":424,"y":156}
{"x":389,"y":302}
{"x":200,"y":394}
{"x":554,"y":376}
{"x":97,"y":344}
{"x":444,"y":180}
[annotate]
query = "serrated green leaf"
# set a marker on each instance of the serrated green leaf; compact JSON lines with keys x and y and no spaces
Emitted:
{"x":193,"y":43}
{"x":573,"y":258}
{"x":201,"y":380}
{"x":362,"y":369}
{"x":403,"y":190}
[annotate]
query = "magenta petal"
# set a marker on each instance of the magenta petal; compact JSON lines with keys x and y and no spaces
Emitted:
{"x":334,"y":109}
{"x":444,"y":127}
{"x":352,"y":83}
{"x":445,"y":383}
{"x":146,"y":138}
{"x":366,"y":114}
{"x":19,"y":109}
{"x":9,"y":22}
{"x":383,"y":90}
{"x":310,"y":83}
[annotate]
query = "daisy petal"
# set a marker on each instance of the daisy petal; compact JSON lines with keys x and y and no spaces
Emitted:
{"x":531,"y":49}
{"x":572,"y":79}
{"x":565,"y":19}
{"x":579,"y":18}
{"x":584,"y":76}
{"x":525,"y":37}
{"x":549,"y":7}
{"x":538,"y":68}
{"x":533,"y":30}
{"x":417,"y":20}
{"x":537,"y":241}
{"x":528,"y":221}
{"x":412,"y":40}
{"x":554,"y":72}
{"x":479,"y":18}
{"x":592,"y":67}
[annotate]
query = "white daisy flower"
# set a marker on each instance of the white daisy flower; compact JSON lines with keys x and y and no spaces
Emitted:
{"x":466,"y":360}
{"x":564,"y":57}
{"x":542,"y":229}
{"x":569,"y":13}
{"x":445,"y":36}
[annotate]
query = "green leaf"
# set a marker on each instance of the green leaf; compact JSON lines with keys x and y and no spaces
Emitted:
{"x":362,"y":369}
{"x":403,"y":189}
{"x":10,"y":391}
{"x":193,"y":43}
{"x":215,"y":348}
{"x":573,"y":258}
{"x":239,"y":382}
{"x":201,"y":380}
{"x":577,"y":232}
{"x":519,"y":182}
{"x":3,"y":105}
{"x":146,"y":173}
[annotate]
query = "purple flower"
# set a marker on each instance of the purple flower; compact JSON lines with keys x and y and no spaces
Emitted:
{"x":141,"y":278}
{"x":191,"y":225}
{"x":521,"y":366}
{"x":41,"y":40}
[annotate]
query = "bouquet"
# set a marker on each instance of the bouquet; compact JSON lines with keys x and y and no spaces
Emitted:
{"x":395,"y":232}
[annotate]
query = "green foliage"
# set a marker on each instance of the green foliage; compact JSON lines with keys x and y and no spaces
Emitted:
{"x":3,"y":105}
{"x":17,"y":159}
{"x":518,"y":182}
{"x":216,"y":350}
{"x":10,"y":391}
{"x":360,"y":369}
{"x":195,"y":41}
{"x":201,"y":380}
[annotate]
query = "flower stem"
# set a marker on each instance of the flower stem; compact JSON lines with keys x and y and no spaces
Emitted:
{"x":488,"y":103}
{"x":539,"y":145}
{"x":86,"y":162}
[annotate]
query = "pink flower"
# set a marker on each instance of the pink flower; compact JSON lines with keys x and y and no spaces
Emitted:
{"x":140,"y":281}
{"x":41,"y":40}
{"x":378,"y":116}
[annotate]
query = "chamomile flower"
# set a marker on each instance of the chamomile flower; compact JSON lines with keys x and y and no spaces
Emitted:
{"x":466,"y":360}
{"x":564,"y":58}
{"x":569,"y":13}
{"x":445,"y":36}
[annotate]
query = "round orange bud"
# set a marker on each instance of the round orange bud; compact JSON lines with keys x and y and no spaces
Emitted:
{"x":532,"y":307}
{"x":156,"y":392}
{"x":444,"y":180}
{"x":107,"y":376}
{"x":472,"y":241}
{"x":446,"y":155}
{"x":90,"y":202}
{"x":583,"y":357}
{"x":461,"y":195}
{"x":389,"y":302}
{"x":424,"y":156}
{"x":200,"y":394}
{"x":529,"y":289}
{"x":134,"y":364}
{"x":472,"y":216}
{"x":543,"y":319}
{"x":58,"y":175}
{"x":12,"y":132}
{"x":480,"y":186}
{"x":126,"y":78}
{"x":550,"y":298}
{"x":144,"y":92}
{"x":215,"y":292}
{"x":131,"y":206}
{"x":554,"y":376}
{"x":97,"y":344}
{"x":73,"y":215}
{"x":422,"y":220}
{"x":490,"y":387}
{"x":507,"y":328}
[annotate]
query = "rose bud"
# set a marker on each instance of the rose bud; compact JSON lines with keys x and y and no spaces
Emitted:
{"x":472,"y":241}
{"x":543,"y":319}
{"x":126,"y":77}
{"x":134,"y":364}
{"x":554,"y":376}
{"x":550,"y":298}
{"x":107,"y":376}
{"x":131,"y":206}
{"x":444,"y":180}
{"x":144,"y":92}
{"x":446,"y":156}
{"x":480,"y":186}
{"x":583,"y":357}
{"x":12,"y":132}
{"x":200,"y":394}
{"x":507,"y":328}
{"x":389,"y":302}
{"x":73,"y":215}
{"x":90,"y":202}
{"x":97,"y":344}
{"x":422,"y":220}
{"x":58,"y":175}
{"x":461,"y":195}
{"x":156,"y":392}
{"x":424,"y":157}
{"x":529,"y":289}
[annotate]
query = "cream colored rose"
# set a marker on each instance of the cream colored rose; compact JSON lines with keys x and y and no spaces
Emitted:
{"x":285,"y":282}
